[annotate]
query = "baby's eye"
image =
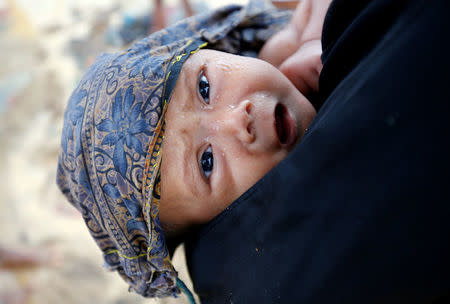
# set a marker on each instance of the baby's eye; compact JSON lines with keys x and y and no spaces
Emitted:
{"x":203,"y":87}
{"x":207,"y":162}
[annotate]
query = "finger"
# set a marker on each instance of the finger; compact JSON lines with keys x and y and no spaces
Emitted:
{"x":280,"y":46}
{"x":287,"y":41}
{"x":304,"y":66}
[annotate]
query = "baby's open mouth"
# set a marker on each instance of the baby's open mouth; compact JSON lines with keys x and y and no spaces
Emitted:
{"x":284,"y":125}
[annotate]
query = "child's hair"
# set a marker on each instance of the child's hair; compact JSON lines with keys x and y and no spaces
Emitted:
{"x":114,"y":128}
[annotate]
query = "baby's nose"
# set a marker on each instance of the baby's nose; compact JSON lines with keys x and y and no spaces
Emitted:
{"x":237,"y":120}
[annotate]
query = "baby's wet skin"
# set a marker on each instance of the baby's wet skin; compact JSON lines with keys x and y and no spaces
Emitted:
{"x":230,"y":120}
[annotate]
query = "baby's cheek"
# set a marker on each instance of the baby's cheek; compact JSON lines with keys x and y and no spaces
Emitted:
{"x":250,"y":170}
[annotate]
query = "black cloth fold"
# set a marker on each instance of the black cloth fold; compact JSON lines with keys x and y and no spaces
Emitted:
{"x":359,"y":211}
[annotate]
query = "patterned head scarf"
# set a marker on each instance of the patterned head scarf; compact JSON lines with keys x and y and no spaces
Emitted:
{"x":114,"y":128}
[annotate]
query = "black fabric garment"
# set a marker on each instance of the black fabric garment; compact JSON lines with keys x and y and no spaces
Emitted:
{"x":352,"y":29}
{"x":359,"y":211}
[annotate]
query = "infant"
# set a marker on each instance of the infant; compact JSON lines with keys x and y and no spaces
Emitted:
{"x":166,"y":134}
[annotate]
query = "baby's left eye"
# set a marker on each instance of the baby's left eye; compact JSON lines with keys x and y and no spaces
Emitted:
{"x":207,"y":162}
{"x":203,"y":87}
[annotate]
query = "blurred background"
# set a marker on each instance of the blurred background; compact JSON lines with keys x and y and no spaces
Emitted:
{"x":46,"y":253}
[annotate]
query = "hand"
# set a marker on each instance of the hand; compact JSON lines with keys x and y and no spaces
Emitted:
{"x":296,"y":49}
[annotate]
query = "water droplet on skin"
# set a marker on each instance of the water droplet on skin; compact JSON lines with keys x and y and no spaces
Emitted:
{"x":223,"y":66}
{"x":206,"y":107}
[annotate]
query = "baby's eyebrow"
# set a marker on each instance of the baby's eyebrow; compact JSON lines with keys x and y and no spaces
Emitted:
{"x":188,"y":167}
{"x":184,"y":84}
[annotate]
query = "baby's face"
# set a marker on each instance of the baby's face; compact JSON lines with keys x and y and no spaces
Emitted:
{"x":230,"y":120}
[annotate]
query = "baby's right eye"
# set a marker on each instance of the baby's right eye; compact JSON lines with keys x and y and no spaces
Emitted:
{"x":207,"y":162}
{"x":203,"y":87}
